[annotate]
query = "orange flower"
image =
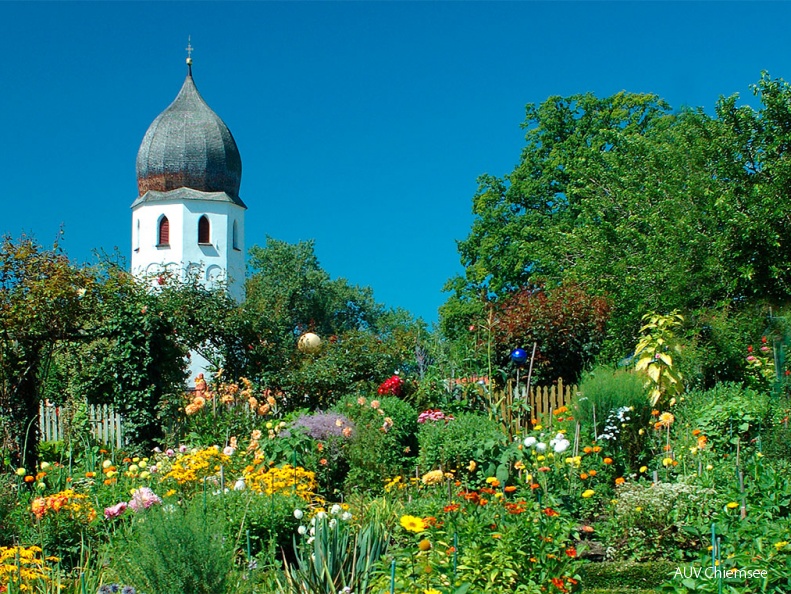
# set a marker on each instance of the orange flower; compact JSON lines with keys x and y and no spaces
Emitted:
{"x":654,"y":413}
{"x":584,"y":475}
{"x":667,"y":447}
{"x":596,"y":449}
{"x":571,"y":552}
{"x":509,"y":489}
{"x":323,"y":461}
{"x":607,"y":461}
{"x":587,"y":529}
{"x":620,"y":480}
{"x":696,"y":432}
{"x":592,"y":472}
{"x":587,"y":449}
{"x":452,"y":507}
{"x":90,"y":474}
{"x":29,"y":479}
{"x":544,"y":469}
{"x":535,"y":486}
{"x":550,"y":512}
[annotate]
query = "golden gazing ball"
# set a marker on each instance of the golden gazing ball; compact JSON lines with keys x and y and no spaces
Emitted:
{"x":309,"y":343}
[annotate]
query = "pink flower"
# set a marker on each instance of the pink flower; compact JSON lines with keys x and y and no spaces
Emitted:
{"x":170,"y":453}
{"x":183,"y":449}
{"x":143,"y":498}
{"x":115,"y":511}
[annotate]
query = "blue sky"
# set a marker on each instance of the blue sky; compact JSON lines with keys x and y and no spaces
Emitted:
{"x":361,"y":125}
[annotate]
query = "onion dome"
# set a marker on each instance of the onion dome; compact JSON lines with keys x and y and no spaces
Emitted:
{"x":188,"y":146}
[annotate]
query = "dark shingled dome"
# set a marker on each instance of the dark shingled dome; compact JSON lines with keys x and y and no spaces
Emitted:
{"x":189,"y":146}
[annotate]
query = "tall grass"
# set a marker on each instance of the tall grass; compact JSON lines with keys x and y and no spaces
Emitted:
{"x":605,"y":390}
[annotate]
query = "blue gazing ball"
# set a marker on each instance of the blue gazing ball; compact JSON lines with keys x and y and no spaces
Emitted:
{"x":519,"y":356}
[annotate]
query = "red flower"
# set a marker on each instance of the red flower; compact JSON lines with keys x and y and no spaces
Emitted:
{"x":550,"y":512}
{"x":392,"y":385}
{"x":763,"y":339}
{"x":558,"y":583}
{"x":571,"y":552}
{"x":451,"y":508}
{"x":750,"y":349}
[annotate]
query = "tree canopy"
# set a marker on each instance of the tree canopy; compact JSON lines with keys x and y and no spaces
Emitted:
{"x":654,"y":209}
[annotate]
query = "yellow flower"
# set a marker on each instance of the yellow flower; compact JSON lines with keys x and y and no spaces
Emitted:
{"x":541,"y":458}
{"x":667,"y":462}
{"x":781,"y":544}
{"x":433,"y":477}
{"x":643,"y":468}
{"x":638,"y":509}
{"x":666,"y":419}
{"x":588,"y":493}
{"x":412,"y":524}
{"x":424,"y":545}
{"x":431,"y":591}
{"x":472,"y":466}
{"x":732,"y":505}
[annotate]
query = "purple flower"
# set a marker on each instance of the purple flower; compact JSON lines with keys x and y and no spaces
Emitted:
{"x":115,"y":511}
{"x":321,"y":425}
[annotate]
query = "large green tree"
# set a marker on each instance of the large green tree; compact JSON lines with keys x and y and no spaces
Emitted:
{"x":45,"y":302}
{"x":657,"y":210}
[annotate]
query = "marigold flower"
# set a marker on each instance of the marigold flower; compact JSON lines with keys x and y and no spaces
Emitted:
{"x":696,"y":432}
{"x":596,"y":449}
{"x":584,"y":476}
{"x":607,"y":461}
{"x":588,"y":493}
{"x":550,"y":512}
{"x":587,"y":449}
{"x":509,"y":489}
{"x":620,"y":480}
{"x":424,"y":545}
{"x":571,"y":552}
{"x":666,"y":419}
{"x":643,"y":468}
{"x":451,"y":507}
{"x":493,"y":481}
{"x":433,"y":477}
{"x":472,"y":466}
{"x":592,"y":472}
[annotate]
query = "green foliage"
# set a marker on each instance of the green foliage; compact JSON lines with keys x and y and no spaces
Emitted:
{"x":652,"y":521}
{"x":452,"y":445}
{"x":726,"y":414}
{"x":177,"y":549}
{"x":605,"y":390}
{"x":288,"y":294}
{"x":656,"y":210}
{"x":45,"y":301}
{"x":625,"y":575}
{"x":336,"y":558}
{"x":384,"y":443}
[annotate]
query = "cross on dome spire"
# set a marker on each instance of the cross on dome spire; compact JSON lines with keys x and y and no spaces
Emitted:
{"x":189,"y":49}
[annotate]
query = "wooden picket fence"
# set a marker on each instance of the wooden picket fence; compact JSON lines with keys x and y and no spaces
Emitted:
{"x":545,"y":399}
{"x":105,"y":424}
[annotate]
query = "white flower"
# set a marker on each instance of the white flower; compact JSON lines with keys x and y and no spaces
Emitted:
{"x":228,"y":451}
{"x":541,"y":446}
{"x":311,"y":539}
{"x":530,"y":441}
{"x":561,"y":446}
{"x":298,"y":514}
{"x":346,"y":516}
{"x":321,"y":515}
{"x":239,"y":485}
{"x":335,"y":509}
{"x":302,"y":530}
{"x":333,"y":522}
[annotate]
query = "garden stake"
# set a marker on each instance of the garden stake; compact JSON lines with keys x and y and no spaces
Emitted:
{"x":222,"y":480}
{"x":714,"y":547}
{"x":204,"y":495}
{"x":595,"y":431}
{"x":656,"y":477}
{"x":83,"y":589}
{"x":392,"y":577}
{"x":741,"y":490}
{"x":455,"y":551}
{"x":700,"y":467}
{"x":719,"y":562}
{"x":249,"y":556}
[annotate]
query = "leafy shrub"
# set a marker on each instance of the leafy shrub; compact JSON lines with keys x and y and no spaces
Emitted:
{"x":384,"y":443}
{"x":650,"y":521}
{"x":623,"y":574}
{"x":454,"y":444}
{"x":566,"y":323}
{"x":177,"y":549}
{"x":726,"y":413}
{"x":614,"y":395}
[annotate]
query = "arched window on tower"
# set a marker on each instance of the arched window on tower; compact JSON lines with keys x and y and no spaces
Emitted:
{"x":235,"y":237}
{"x":163,"y":234}
{"x":204,"y":231}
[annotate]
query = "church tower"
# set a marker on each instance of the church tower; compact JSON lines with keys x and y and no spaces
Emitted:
{"x":188,"y":217}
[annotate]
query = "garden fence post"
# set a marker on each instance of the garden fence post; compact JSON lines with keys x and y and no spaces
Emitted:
{"x":392,"y":576}
{"x":714,"y":547}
